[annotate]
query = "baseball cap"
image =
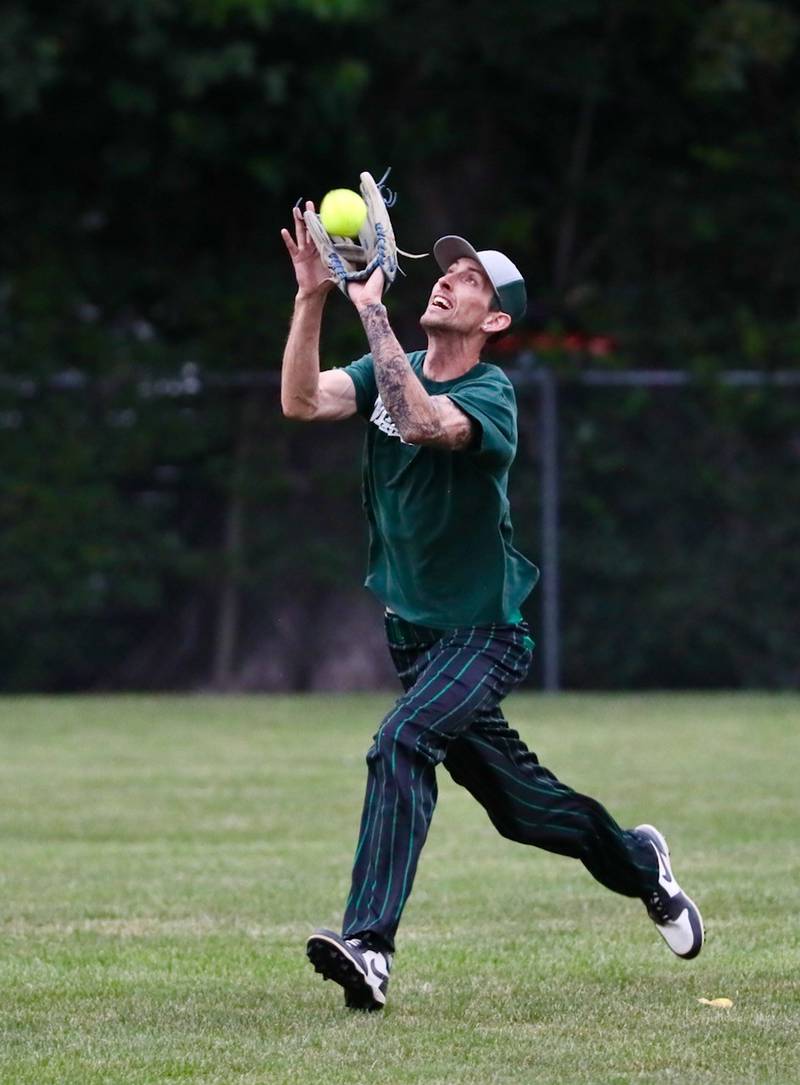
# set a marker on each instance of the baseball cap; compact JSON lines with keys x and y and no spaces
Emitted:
{"x":505,"y":277}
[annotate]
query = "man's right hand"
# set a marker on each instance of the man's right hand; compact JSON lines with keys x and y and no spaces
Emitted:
{"x":313,"y":278}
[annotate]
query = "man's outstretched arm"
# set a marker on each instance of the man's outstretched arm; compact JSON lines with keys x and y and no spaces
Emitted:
{"x":307,"y":394}
{"x":421,"y":419}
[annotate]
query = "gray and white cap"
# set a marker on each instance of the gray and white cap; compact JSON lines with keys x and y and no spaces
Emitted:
{"x":505,"y":277}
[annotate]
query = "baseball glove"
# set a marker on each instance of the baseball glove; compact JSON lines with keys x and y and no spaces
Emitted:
{"x":353,"y":262}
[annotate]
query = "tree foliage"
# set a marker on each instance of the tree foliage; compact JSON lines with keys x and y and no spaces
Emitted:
{"x":639,"y":161}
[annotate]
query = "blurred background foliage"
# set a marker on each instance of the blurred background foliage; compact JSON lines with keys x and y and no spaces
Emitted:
{"x":160,"y":524}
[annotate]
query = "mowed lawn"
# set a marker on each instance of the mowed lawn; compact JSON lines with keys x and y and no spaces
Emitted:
{"x":162,"y":860}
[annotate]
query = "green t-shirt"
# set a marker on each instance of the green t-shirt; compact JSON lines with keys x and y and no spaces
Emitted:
{"x":440,"y":551}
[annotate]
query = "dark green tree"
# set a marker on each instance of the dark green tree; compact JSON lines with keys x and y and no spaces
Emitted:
{"x":640,"y":161}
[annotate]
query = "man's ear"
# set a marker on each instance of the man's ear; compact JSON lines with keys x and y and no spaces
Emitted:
{"x":495,"y":322}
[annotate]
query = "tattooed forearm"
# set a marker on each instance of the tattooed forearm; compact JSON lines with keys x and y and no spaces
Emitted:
{"x":403,"y":396}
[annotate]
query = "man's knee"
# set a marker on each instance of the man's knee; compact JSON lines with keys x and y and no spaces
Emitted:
{"x":401,"y":737}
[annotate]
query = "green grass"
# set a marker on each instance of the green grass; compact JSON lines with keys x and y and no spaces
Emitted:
{"x":163,"y":859}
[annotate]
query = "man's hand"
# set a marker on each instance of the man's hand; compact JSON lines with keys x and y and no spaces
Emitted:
{"x":313,"y":278}
{"x":369,"y":292}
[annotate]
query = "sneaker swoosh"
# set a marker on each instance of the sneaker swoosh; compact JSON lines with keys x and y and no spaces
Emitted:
{"x":377,"y":967}
{"x":665,"y":879}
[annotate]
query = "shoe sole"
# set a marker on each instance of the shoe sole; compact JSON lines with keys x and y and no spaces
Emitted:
{"x":700,"y":929}
{"x":332,"y":961}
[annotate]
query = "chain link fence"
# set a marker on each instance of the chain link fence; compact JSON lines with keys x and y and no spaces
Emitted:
{"x":181,"y":533}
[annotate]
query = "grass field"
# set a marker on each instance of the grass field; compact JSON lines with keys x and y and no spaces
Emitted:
{"x":163,"y":859}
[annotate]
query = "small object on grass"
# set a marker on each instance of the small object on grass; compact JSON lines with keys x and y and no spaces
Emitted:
{"x":720,"y":1003}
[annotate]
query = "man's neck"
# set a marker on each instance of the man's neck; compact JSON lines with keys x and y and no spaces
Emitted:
{"x":448,"y":357}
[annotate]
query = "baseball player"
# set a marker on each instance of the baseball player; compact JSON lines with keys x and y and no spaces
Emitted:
{"x":441,"y":435}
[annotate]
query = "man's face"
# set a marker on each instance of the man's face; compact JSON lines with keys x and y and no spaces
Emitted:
{"x":461,"y":299}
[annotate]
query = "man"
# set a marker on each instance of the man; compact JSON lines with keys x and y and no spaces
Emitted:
{"x":441,"y":437}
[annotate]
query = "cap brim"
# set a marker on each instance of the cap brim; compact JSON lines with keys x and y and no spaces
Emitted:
{"x":450,"y":248}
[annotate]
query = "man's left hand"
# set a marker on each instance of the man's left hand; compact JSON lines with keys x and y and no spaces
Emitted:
{"x":369,"y":292}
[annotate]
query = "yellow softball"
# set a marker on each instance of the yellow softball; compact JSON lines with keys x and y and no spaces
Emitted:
{"x":343,"y":212}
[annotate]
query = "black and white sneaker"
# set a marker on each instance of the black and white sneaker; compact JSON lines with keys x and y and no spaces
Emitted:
{"x":677,"y":916}
{"x":363,"y":972}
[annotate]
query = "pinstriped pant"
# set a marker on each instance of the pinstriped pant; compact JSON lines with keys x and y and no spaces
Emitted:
{"x":450,"y":713}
